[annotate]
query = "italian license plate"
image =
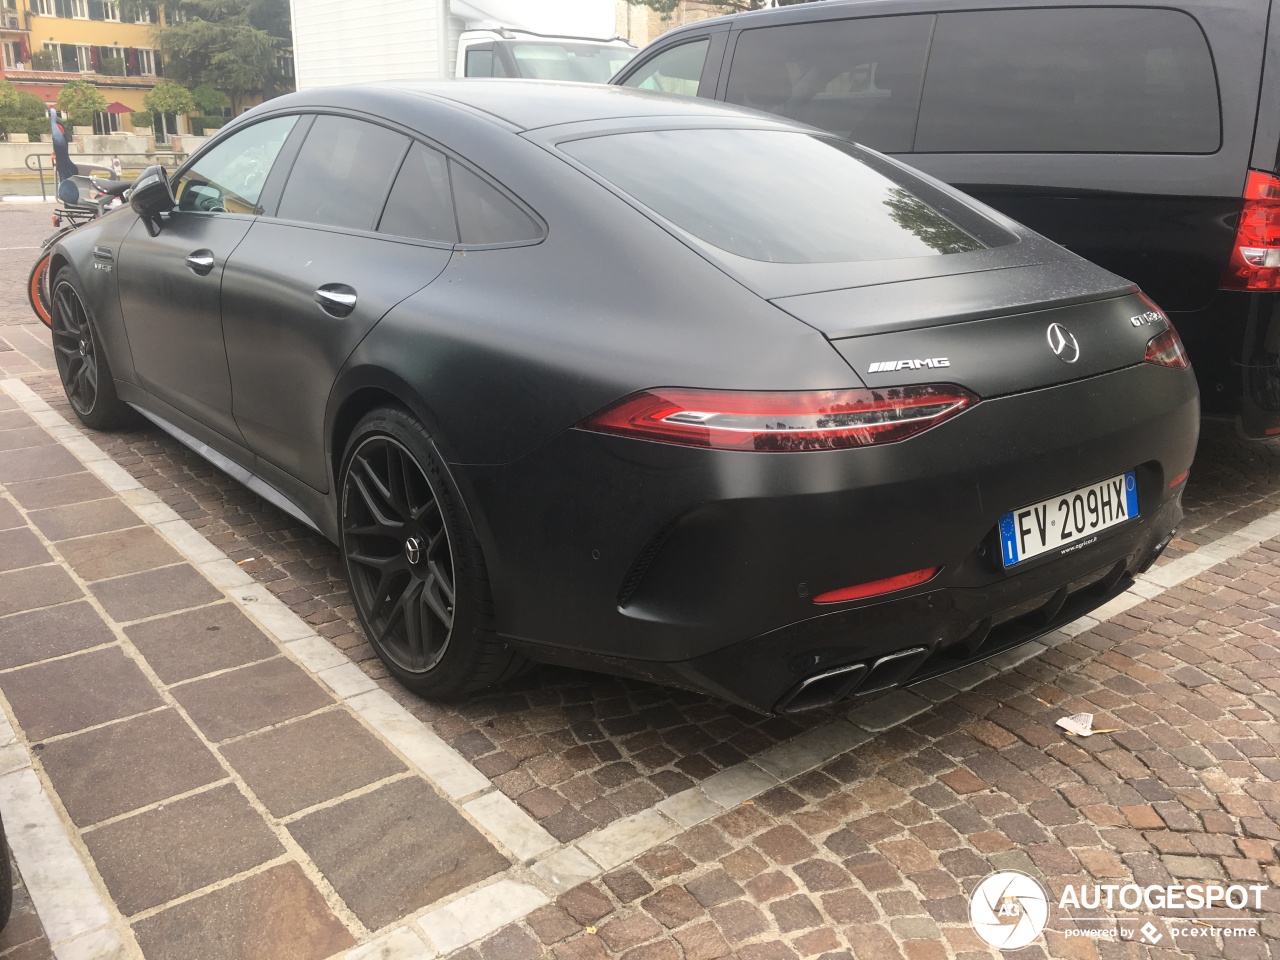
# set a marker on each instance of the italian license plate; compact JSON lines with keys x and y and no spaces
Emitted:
{"x":1069,"y":522}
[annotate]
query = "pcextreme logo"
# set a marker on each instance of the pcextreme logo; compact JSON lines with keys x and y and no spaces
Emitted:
{"x":1009,"y":909}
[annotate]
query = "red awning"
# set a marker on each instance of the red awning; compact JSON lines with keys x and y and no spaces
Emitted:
{"x":118,"y":107}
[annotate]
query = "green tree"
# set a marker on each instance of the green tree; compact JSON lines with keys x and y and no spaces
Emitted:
{"x":168,"y":97}
{"x":229,"y":45}
{"x":80,"y":101}
{"x":211,"y":101}
{"x":668,"y":7}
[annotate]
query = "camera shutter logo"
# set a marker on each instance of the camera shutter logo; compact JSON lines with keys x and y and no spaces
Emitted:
{"x":1009,"y":910}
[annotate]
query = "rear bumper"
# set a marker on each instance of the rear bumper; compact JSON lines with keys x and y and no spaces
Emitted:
{"x":698,"y":567}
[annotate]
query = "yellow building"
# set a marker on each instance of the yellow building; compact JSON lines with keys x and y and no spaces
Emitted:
{"x":48,"y":42}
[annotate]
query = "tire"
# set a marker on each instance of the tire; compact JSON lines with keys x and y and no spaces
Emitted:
{"x":416,"y":572}
{"x":38,"y":287}
{"x":6,"y":879}
{"x":82,"y":363}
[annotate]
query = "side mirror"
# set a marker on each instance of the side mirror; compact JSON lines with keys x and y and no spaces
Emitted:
{"x":151,"y":196}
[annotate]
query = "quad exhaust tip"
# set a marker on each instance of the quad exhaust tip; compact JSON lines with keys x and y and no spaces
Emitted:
{"x":852,"y":679}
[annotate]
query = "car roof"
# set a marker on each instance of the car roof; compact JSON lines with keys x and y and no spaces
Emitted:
{"x":840,"y":9}
{"x":517,"y":104}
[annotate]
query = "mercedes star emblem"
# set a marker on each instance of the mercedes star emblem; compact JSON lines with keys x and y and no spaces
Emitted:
{"x":413,"y":549}
{"x":1062,"y":343}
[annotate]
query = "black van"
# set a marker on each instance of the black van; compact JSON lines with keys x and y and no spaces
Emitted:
{"x":1142,"y":136}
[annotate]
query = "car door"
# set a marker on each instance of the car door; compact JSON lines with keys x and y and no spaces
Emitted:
{"x":307,"y":284}
{"x":170,"y":284}
{"x":1100,"y":127}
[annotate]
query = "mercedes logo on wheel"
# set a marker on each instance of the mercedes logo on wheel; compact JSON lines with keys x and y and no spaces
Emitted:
{"x":1008,"y":909}
{"x":413,"y":549}
{"x":1062,"y":343}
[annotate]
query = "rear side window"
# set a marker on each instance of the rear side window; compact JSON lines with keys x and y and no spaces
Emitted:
{"x":790,"y":197}
{"x":1082,"y":80}
{"x":858,"y":78}
{"x":675,"y":70}
{"x":420,"y":205}
{"x":484,"y":214}
{"x":342,"y":173}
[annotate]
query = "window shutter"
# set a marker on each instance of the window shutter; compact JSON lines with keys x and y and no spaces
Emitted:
{"x":95,"y":10}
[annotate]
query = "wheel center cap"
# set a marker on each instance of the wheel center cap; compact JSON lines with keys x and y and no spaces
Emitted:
{"x":413,"y":549}
{"x":84,"y":348}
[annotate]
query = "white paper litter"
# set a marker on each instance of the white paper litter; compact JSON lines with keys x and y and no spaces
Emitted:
{"x":1081,"y":724}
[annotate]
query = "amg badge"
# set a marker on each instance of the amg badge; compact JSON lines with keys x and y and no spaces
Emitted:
{"x":889,"y":366}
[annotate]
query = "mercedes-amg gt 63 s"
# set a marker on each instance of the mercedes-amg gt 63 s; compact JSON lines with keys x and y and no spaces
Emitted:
{"x":653,"y":386}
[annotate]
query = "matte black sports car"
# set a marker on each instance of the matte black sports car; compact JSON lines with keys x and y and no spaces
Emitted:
{"x":650,"y":385}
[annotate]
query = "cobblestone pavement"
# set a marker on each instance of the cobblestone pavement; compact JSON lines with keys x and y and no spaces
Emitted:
{"x":871,"y":851}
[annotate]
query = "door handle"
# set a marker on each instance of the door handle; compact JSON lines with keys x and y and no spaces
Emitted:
{"x":201,"y":262}
{"x":336,"y":299}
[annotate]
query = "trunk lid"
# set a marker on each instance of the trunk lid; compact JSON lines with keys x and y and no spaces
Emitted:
{"x":994,"y":333}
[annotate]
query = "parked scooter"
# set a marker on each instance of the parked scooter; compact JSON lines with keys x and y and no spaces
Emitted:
{"x":99,"y":197}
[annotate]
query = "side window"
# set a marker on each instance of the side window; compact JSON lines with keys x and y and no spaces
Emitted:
{"x":342,"y":173}
{"x":479,"y":62}
{"x":229,"y":178}
{"x":420,"y":205}
{"x":857,"y":78}
{"x":484,"y":214}
{"x":675,"y":70}
{"x":1081,"y":80}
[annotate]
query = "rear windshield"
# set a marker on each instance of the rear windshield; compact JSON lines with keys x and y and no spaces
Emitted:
{"x":1084,"y":80}
{"x":773,"y":195}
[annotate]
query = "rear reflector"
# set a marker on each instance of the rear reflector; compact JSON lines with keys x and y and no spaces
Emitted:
{"x":876,"y":587}
{"x":1166,"y":350}
{"x":1255,"y":255}
{"x":1173,"y":484}
{"x":780,"y":422}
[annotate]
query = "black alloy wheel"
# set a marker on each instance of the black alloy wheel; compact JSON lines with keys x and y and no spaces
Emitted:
{"x":416,"y":570}
{"x":82,"y":363}
{"x":398,"y":554}
{"x":74,"y":349}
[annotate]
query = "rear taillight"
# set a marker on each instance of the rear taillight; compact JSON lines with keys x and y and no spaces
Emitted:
{"x":1255,"y":255}
{"x":1166,"y":350}
{"x":780,"y":422}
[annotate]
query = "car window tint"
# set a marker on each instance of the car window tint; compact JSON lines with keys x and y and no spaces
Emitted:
{"x":858,"y":78}
{"x":479,"y":63}
{"x":420,"y":205}
{"x":484,"y":214}
{"x":792,"y":197}
{"x":229,"y":178}
{"x":1085,"y":80}
{"x":676,"y":70}
{"x":342,"y":173}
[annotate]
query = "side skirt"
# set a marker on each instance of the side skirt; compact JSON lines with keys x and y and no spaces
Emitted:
{"x":251,"y":480}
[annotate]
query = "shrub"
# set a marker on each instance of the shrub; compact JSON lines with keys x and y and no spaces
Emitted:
{"x":80,"y":101}
{"x":142,"y":118}
{"x":44,"y":60}
{"x":202,"y":125}
{"x":111,"y":66}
